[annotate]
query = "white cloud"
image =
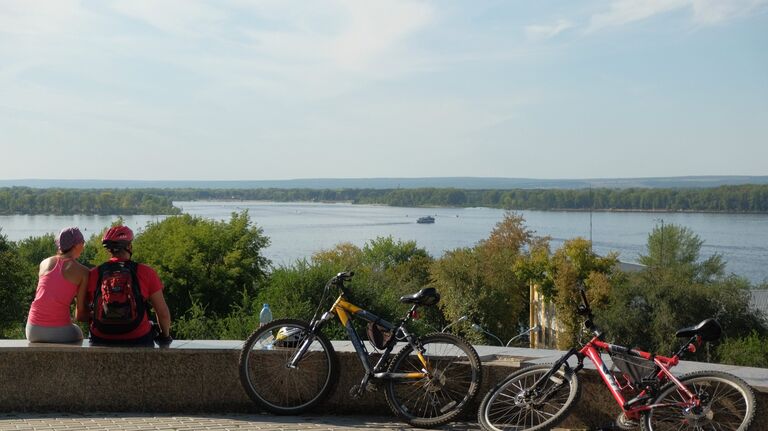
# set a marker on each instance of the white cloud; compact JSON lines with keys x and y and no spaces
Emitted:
{"x":349,"y":33}
{"x":623,"y":12}
{"x":715,"y":11}
{"x":177,"y":17}
{"x":40,"y":17}
{"x":626,"y":11}
{"x":538,"y":32}
{"x":373,"y":28}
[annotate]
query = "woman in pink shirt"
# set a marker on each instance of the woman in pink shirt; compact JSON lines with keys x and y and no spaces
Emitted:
{"x":61,"y":278}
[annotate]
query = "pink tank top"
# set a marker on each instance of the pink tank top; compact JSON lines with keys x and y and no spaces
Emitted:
{"x":53,"y":298}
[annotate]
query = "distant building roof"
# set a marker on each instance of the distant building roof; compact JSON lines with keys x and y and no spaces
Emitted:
{"x":631,"y":267}
{"x":759,"y":300}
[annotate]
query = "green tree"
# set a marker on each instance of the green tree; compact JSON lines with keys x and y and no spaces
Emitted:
{"x":15,"y":279}
{"x":489,"y":283}
{"x":34,"y":249}
{"x":675,"y":290}
{"x":211,"y":262}
{"x":573,"y":265}
{"x":674,"y":253}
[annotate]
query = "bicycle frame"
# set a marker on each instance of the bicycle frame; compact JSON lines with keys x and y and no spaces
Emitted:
{"x":592,"y":351}
{"x":345,"y":311}
{"x":596,"y":345}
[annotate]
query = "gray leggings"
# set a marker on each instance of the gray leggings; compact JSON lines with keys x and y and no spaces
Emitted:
{"x":54,"y":334}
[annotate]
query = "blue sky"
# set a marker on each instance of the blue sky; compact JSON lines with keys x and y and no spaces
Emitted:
{"x":249,"y":90}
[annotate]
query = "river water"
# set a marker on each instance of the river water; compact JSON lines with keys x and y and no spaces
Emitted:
{"x":297,"y":230}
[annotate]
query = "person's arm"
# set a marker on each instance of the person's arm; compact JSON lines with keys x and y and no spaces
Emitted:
{"x":161,"y":310}
{"x":83,"y":312}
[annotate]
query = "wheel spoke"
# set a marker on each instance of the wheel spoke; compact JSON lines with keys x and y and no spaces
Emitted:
{"x":453,"y":381}
{"x":516,"y":405}
{"x":267,"y":378}
{"x":726,"y":404}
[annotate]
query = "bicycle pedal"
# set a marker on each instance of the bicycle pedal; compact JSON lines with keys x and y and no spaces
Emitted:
{"x":355,"y":392}
{"x":625,"y":423}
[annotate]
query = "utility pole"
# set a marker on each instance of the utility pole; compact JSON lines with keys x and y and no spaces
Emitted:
{"x":591,"y":207}
{"x":661,"y":245}
{"x":662,"y":241}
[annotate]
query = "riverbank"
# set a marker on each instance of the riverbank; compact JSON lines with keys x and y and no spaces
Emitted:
{"x":741,"y":199}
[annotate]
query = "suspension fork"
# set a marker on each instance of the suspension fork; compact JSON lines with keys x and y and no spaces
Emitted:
{"x":314,"y":328}
{"x":563,"y":361}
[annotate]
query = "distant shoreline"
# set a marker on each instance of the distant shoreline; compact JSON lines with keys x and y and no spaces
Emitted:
{"x":739,"y":199}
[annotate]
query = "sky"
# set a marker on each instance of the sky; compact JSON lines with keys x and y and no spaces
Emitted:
{"x":265,"y":90}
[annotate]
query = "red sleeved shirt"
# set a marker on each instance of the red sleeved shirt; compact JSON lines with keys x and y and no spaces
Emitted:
{"x":149,"y":283}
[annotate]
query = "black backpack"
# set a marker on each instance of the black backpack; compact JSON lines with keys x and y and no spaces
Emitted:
{"x":118,"y":307}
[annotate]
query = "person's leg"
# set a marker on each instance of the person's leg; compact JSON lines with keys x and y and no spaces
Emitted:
{"x":75,"y":332}
{"x":53,"y":334}
{"x":145,"y":341}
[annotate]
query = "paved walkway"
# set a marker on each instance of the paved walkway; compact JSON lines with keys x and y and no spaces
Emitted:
{"x":155,"y":422}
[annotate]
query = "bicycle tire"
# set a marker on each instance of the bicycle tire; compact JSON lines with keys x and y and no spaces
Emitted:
{"x":504,"y":409}
{"x":265,"y":376}
{"x":728,"y":404}
{"x":455,"y":381}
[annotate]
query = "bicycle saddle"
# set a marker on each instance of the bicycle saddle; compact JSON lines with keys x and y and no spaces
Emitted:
{"x":708,"y":329}
{"x":428,"y":296}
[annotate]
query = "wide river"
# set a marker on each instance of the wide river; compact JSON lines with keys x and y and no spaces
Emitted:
{"x":297,"y":230}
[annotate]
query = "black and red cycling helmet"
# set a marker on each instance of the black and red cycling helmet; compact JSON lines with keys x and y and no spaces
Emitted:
{"x":117,"y":237}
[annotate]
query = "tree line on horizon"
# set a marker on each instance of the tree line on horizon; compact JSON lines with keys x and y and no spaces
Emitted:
{"x":27,"y":200}
{"x":731,"y":199}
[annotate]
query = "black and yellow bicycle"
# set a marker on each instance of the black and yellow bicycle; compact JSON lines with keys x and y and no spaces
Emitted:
{"x":288,"y":366}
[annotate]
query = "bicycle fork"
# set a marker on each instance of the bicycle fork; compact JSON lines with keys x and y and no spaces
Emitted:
{"x":304,"y":347}
{"x":534,"y":395}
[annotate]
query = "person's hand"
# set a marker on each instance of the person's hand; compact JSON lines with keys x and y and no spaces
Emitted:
{"x":163,"y":340}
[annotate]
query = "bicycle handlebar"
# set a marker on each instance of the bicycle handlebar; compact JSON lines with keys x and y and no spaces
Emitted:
{"x":341,"y":277}
{"x":584,"y":310}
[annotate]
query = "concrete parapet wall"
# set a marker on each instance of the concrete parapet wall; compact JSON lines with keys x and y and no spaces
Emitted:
{"x":202,"y":376}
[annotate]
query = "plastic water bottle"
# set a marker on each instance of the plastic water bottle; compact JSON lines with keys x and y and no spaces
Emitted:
{"x":265,"y":316}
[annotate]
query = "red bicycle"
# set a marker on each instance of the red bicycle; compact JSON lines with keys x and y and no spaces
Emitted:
{"x":539,"y":397}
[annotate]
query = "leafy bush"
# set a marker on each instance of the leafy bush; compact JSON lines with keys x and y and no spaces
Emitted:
{"x":385,"y":269}
{"x":751,"y":351}
{"x":16,"y":277}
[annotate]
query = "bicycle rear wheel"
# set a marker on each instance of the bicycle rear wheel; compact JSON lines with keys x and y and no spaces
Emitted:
{"x":727,"y":403}
{"x":266,"y":377}
{"x":515,"y":404}
{"x":454,"y":382}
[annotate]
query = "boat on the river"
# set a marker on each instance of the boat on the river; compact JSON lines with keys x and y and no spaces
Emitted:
{"x":425,"y":220}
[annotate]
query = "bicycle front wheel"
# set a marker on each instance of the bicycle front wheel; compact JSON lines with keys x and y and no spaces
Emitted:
{"x":517,"y":404}
{"x":727,"y":403}
{"x":454,"y":380}
{"x":269,"y":380}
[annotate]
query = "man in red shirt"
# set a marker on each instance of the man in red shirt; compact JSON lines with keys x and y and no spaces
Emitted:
{"x":119,"y":292}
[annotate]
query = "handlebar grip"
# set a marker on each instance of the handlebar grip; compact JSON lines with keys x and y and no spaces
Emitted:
{"x":343,"y":276}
